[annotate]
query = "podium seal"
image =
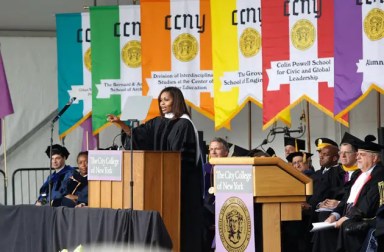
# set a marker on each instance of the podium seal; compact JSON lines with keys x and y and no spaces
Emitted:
{"x":250,"y":42}
{"x":374,"y":24}
{"x":131,"y":54}
{"x":234,"y":225}
{"x":303,"y":34}
{"x":185,"y":47}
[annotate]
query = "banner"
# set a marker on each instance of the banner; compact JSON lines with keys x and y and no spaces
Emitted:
{"x":237,"y":67}
{"x":6,"y":107}
{"x":116,"y":60}
{"x":74,"y":69}
{"x":359,"y":44}
{"x":177,"y":51}
{"x":298,"y":55}
{"x":90,"y":142}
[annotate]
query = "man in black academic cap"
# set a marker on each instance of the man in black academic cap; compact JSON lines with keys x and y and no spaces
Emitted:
{"x":362,"y":200}
{"x":301,"y":161}
{"x":292,"y":144}
{"x":295,"y":234}
{"x":348,"y":159}
{"x":61,"y":173}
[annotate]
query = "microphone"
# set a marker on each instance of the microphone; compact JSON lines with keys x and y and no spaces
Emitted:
{"x":302,"y":117}
{"x":61,"y":112}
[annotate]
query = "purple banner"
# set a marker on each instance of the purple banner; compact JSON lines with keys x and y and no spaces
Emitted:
{"x":6,"y":106}
{"x":90,"y":142}
{"x":348,"y":52}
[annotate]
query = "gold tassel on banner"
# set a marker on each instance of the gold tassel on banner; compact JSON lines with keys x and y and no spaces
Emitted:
{"x":381,"y":192}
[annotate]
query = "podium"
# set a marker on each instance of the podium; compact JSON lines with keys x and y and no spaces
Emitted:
{"x":156,"y":177}
{"x":279,"y":188}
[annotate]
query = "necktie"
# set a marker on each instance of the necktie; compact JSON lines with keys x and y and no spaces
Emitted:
{"x":346,"y":177}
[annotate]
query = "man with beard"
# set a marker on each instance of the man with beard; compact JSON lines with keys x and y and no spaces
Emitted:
{"x":362,"y":200}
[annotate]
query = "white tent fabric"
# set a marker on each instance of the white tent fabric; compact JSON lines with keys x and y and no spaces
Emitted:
{"x":31,"y":68}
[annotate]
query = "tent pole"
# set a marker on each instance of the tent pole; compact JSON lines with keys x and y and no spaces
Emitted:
{"x":250,"y":125}
{"x":378,"y":110}
{"x":307,"y":122}
{"x":5,"y":152}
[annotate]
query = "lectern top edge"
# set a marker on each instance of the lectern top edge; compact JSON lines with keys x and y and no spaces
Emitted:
{"x":257,"y":161}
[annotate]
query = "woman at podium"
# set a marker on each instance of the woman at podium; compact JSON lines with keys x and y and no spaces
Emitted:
{"x":173,"y":130}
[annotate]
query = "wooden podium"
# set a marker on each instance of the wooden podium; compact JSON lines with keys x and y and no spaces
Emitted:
{"x":156,"y":177}
{"x":280,"y":188}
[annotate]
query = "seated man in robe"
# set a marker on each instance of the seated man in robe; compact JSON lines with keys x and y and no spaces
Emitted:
{"x":52,"y":195}
{"x":295,"y":234}
{"x":218,"y":147}
{"x":301,"y":161}
{"x":292,"y":144}
{"x":362,"y":200}
{"x":348,"y":154}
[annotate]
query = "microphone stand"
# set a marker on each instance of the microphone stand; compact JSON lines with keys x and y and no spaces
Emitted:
{"x":131,"y":149}
{"x":57,"y":117}
{"x":131,"y":183}
{"x":50,"y":165}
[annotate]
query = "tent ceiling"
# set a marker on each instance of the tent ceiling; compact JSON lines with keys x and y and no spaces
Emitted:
{"x":39,"y":15}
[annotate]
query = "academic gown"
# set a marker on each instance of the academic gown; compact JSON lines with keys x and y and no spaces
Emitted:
{"x":330,"y":235}
{"x":58,"y":181}
{"x":165,"y":134}
{"x":365,"y":207}
{"x":76,"y":185}
{"x":326,"y":185}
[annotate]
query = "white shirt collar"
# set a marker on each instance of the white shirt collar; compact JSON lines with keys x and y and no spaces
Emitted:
{"x":58,"y":170}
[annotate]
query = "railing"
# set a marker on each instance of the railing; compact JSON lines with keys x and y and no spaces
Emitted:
{"x":26,"y":183}
{"x":2,"y":183}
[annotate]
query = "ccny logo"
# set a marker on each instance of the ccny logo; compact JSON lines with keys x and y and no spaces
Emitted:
{"x":234,"y":225}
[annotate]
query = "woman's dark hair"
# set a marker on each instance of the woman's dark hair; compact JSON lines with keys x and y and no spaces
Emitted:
{"x":83,"y":153}
{"x":178,"y":107}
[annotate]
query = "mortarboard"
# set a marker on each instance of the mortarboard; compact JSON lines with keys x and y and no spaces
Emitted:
{"x":57,"y":149}
{"x":303,"y":154}
{"x":350,"y":139}
{"x":237,"y":151}
{"x":299,"y":144}
{"x":369,"y":145}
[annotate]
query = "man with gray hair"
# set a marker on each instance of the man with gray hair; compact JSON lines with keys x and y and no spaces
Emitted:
{"x":362,"y":200}
{"x":218,"y":148}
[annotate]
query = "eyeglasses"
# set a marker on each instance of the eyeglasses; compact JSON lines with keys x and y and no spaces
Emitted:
{"x":346,"y":152}
{"x":297,"y":163}
{"x":364,"y":154}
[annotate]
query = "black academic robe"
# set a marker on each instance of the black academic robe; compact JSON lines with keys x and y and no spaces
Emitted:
{"x":164,"y":134}
{"x":330,"y":235}
{"x":365,"y":207}
{"x":57,"y":180}
{"x":76,"y":185}
{"x":326,"y":185}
